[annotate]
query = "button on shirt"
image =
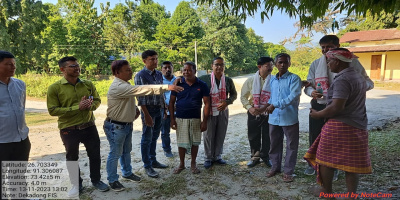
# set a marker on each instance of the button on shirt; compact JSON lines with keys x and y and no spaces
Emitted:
{"x":12,"y":111}
{"x":148,"y":77}
{"x":285,"y":96}
{"x":121,"y":99}
{"x":190,"y":100}
{"x":63,"y":100}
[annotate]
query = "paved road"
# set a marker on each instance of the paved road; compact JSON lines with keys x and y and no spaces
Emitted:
{"x":382,"y":106}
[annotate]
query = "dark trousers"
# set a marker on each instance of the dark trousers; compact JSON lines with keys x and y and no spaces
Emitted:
{"x":90,"y":138}
{"x":14,"y":151}
{"x":277,"y":134}
{"x":315,"y":125}
{"x":258,"y":134}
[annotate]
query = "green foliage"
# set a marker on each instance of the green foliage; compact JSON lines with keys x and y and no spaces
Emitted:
{"x":37,"y":84}
{"x":308,"y":11}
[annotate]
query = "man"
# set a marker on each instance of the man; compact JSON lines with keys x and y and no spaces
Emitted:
{"x":152,"y":107}
{"x":73,"y":100}
{"x":255,"y":93}
{"x":188,"y":124}
{"x":222,"y":93}
{"x":283,"y":120}
{"x":319,"y":73}
{"x":14,"y":140}
{"x":343,"y":142}
{"x":167,"y":70}
{"x":121,"y":113}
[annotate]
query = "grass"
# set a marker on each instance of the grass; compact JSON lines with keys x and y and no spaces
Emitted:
{"x":33,"y":119}
{"x":388,"y":85}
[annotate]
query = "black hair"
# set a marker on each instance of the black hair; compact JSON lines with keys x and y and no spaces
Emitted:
{"x":282,"y":55}
{"x":191,"y":64}
{"x":167,"y":63}
{"x":116,"y":65}
{"x":62,"y":61}
{"x":148,"y":53}
{"x":264,"y":59}
{"x":218,"y":58}
{"x":329,"y":39}
{"x":5,"y":54}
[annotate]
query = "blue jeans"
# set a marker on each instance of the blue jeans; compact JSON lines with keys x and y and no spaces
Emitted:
{"x":120,"y":139}
{"x":165,"y":129}
{"x":150,"y":136}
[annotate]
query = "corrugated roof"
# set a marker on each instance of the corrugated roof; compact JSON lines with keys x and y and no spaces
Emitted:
{"x":374,"y":35}
{"x":377,"y":48}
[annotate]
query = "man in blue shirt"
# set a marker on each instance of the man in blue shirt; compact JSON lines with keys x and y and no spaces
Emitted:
{"x":283,"y":120}
{"x":167,"y":70}
{"x":152,"y":106}
{"x":14,"y":140}
{"x":188,"y":123}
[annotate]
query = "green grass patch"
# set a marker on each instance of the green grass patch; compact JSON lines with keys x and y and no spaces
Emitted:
{"x":387,"y":85}
{"x":33,"y":119}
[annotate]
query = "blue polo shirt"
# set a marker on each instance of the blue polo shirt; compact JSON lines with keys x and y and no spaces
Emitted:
{"x":190,"y":100}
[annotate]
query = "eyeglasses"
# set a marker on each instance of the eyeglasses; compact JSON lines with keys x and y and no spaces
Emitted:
{"x":219,"y":65}
{"x":73,"y":66}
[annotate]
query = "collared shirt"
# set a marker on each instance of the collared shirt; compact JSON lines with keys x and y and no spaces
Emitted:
{"x":350,"y":85}
{"x":12,"y":111}
{"x":246,"y":96}
{"x":148,"y":77}
{"x":189,"y":101}
{"x":121,"y":98}
{"x":231,"y":94}
{"x":63,"y":100}
{"x":285,"y":97}
{"x":355,"y":64}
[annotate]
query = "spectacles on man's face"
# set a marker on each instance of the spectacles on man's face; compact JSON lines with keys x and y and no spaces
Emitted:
{"x":219,"y":64}
{"x":73,"y":66}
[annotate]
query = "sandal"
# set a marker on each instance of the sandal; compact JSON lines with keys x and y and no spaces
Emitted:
{"x":195,"y":170}
{"x":287,"y":178}
{"x":272,"y":173}
{"x":178,"y":170}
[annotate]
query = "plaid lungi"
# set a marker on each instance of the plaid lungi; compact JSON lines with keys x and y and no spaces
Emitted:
{"x":188,"y":132}
{"x":340,"y":146}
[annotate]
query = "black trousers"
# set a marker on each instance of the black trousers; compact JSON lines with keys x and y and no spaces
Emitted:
{"x":258,"y":134}
{"x":14,"y":151}
{"x":90,"y":138}
{"x":315,"y":125}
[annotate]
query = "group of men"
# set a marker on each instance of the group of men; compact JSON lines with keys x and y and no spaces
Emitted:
{"x":271,"y":101}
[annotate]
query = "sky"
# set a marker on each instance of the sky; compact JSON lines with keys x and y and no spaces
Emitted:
{"x":275,"y":29}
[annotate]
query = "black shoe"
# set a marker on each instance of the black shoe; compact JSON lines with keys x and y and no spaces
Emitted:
{"x":132,"y":177}
{"x":117,"y":186}
{"x":156,"y":164}
{"x":101,"y":186}
{"x":220,"y":162}
{"x":268,"y":163}
{"x":253,"y":163}
{"x":151,"y":172}
{"x":207,"y":164}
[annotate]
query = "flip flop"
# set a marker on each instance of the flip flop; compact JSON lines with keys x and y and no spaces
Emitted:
{"x":195,"y":170}
{"x":178,"y":170}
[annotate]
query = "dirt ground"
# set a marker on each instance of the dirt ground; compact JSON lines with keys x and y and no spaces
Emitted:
{"x":232,"y":181}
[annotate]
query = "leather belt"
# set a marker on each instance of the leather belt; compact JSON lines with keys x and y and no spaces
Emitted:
{"x":81,"y":126}
{"x":117,"y":122}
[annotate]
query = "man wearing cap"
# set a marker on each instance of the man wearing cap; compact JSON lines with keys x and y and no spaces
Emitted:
{"x":343,"y":142}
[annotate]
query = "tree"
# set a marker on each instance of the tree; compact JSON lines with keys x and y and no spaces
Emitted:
{"x":308,"y":11}
{"x":21,"y":23}
{"x":148,"y":15}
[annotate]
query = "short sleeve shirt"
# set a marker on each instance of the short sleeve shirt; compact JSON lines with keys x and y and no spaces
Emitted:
{"x":189,"y":101}
{"x":349,"y":84}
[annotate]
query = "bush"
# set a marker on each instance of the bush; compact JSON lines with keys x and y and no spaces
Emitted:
{"x":37,"y":84}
